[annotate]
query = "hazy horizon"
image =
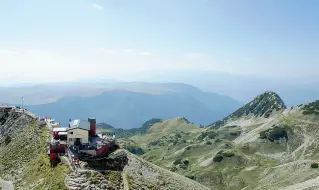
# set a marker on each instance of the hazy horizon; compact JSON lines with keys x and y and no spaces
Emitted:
{"x":124,"y":40}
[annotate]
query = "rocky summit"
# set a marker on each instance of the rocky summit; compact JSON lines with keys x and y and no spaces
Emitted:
{"x":263,"y":105}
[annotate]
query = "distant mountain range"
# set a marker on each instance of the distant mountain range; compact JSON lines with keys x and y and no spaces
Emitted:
{"x":293,"y":90}
{"x":130,"y":109}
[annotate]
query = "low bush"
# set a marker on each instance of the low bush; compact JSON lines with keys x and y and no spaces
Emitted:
{"x":186,"y":162}
{"x":228,"y":154}
{"x":135,"y":150}
{"x":154,"y":143}
{"x":274,"y":133}
{"x":7,"y":140}
{"x":188,"y":148}
{"x":173,"y":169}
{"x":314,"y":165}
{"x":191,"y":177}
{"x":178,"y":161}
{"x":208,"y":134}
{"x":312,"y":108}
{"x":218,"y":158}
{"x":183,"y":166}
{"x":235,"y":134}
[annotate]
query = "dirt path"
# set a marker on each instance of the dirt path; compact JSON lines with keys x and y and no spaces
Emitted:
{"x":6,"y":185}
{"x":304,"y":185}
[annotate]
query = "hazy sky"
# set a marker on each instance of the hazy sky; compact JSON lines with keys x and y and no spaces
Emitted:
{"x":72,"y":39}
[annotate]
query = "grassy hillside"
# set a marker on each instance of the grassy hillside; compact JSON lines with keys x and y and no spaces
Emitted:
{"x":140,"y":174}
{"x":248,"y":150}
{"x":125,"y":133}
{"x":164,"y":128}
{"x":23,"y":158}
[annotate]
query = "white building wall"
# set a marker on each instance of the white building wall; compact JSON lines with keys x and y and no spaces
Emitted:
{"x":83,"y":135}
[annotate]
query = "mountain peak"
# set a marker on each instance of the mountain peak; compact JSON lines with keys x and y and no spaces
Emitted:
{"x":183,"y":119}
{"x":262,"y":106}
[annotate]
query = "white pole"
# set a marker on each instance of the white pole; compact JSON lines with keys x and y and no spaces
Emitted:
{"x":22,"y":103}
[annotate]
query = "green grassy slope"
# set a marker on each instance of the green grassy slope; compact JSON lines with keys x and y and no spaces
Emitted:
{"x":254,"y":152}
{"x":24,"y":160}
{"x":160,"y":129}
{"x":126,"y":133}
{"x":140,"y":174}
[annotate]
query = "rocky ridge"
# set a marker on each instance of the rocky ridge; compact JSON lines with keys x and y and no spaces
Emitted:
{"x":263,"y":106}
{"x":250,"y":149}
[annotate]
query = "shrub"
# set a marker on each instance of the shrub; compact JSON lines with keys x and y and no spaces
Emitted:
{"x":186,"y":162}
{"x":135,"y":150}
{"x":7,"y":140}
{"x":263,"y":135}
{"x":312,"y":108}
{"x":212,"y":135}
{"x":178,"y":161}
{"x":209,"y":134}
{"x":183,"y":166}
{"x":235,"y":134}
{"x":268,"y":113}
{"x":308,"y":112}
{"x":228,"y":154}
{"x":275,"y":133}
{"x":173,"y":169}
{"x":227,"y":145}
{"x":188,"y":148}
{"x":154,"y":143}
{"x":209,"y":143}
{"x":191,"y":177}
{"x":314,"y":165}
{"x":218,"y":158}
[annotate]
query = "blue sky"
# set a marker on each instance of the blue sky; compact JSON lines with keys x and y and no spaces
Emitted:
{"x":123,"y":38}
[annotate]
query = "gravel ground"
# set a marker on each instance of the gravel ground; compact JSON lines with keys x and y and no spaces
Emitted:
{"x":6,"y":185}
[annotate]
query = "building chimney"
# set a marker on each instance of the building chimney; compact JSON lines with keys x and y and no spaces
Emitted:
{"x":92,"y":126}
